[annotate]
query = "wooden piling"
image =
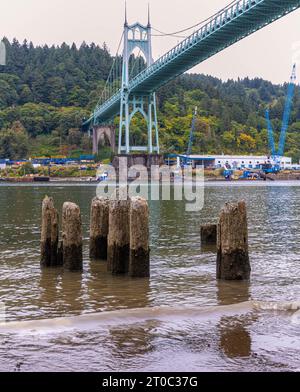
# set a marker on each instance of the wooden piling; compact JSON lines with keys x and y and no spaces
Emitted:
{"x":72,"y":237}
{"x":139,"y":263}
{"x":209,"y":235}
{"x":233,"y":254}
{"x":49,"y":234}
{"x":99,"y":228}
{"x":118,"y":237}
{"x":60,"y":254}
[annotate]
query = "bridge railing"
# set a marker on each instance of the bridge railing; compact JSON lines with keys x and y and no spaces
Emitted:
{"x":107,"y":103}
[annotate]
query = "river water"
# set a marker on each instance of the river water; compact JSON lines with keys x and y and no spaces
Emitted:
{"x":179,"y":320}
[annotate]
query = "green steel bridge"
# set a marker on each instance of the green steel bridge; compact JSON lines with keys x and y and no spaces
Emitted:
{"x":238,"y":20}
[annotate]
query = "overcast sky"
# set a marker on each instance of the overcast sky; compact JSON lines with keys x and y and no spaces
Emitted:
{"x":268,"y":53}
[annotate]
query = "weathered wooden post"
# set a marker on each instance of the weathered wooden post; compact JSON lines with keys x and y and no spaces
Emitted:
{"x":72,"y":237}
{"x":60,"y":254}
{"x":49,"y":235}
{"x":209,"y":235}
{"x":118,"y":237}
{"x":139,"y":263}
{"x":233,"y":254}
{"x":99,"y":228}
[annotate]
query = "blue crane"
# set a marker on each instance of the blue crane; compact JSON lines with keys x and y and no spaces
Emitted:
{"x":186,"y":159}
{"x":277,"y":155}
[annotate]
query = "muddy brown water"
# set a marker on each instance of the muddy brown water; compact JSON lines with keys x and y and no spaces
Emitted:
{"x":157,"y":338}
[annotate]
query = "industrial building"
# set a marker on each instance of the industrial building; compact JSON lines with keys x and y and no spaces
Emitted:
{"x":233,"y":161}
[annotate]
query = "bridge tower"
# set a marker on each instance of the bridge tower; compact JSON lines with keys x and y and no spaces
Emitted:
{"x":137,"y":36}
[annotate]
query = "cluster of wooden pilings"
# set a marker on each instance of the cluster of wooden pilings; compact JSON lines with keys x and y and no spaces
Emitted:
{"x":230,"y":236}
{"x":119,"y":233}
{"x":68,"y":252}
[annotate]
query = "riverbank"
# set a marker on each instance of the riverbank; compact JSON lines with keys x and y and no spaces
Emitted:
{"x":87,"y":173}
{"x":291,"y":176}
{"x":29,"y":180}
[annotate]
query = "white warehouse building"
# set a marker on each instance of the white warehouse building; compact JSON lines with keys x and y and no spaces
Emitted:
{"x":235,"y":161}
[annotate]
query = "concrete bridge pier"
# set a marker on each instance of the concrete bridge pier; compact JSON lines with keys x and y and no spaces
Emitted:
{"x":101,"y":133}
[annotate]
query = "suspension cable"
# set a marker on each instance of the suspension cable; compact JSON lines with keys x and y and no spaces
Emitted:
{"x":134,"y":64}
{"x":111,"y":70}
{"x":196,"y":25}
{"x":167,"y":35}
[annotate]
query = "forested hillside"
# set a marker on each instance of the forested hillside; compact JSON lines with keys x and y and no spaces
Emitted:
{"x":46,"y":91}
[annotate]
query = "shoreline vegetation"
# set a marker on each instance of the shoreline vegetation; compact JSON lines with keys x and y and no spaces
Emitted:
{"x":88,"y":174}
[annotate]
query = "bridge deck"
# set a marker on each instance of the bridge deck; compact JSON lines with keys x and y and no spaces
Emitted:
{"x":224,"y":29}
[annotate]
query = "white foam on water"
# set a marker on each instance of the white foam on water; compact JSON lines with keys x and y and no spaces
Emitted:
{"x":296,"y":318}
{"x":2,"y":312}
{"x":122,"y":317}
{"x":96,"y":321}
{"x":277,"y":306}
